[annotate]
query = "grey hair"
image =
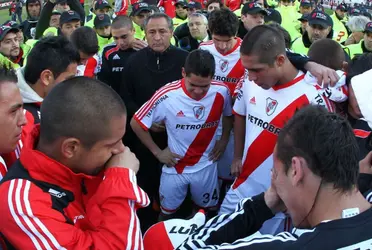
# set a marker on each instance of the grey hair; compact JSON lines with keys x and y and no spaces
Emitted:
{"x":357,"y":23}
{"x":205,"y":20}
{"x":158,"y":15}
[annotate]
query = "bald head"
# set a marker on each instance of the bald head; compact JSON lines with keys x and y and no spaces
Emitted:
{"x":81,"y":108}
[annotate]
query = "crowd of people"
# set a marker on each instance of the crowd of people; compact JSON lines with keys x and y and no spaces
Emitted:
{"x":186,"y":125}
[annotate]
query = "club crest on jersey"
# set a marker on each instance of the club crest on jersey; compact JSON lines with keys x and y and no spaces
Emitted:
{"x":199,"y":112}
{"x":224,"y":64}
{"x":271,"y":105}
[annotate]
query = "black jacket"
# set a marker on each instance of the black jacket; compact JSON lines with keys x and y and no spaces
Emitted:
{"x":113,"y":62}
{"x":146,"y":71}
{"x":189,"y":43}
{"x":351,"y":233}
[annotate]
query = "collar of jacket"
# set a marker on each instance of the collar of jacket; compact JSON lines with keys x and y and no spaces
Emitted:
{"x":161,"y":54}
{"x":43,"y":168}
{"x":365,"y":50}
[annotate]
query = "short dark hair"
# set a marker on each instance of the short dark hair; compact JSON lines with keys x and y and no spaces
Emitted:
{"x":326,"y":141}
{"x":55,"y":53}
{"x":223,"y":22}
{"x":209,"y":2}
{"x":327,"y":52}
{"x":265,"y":42}
{"x":85,"y":40}
{"x":79,"y":107}
{"x":285,"y":33}
{"x":358,"y":65}
{"x":7,"y":74}
{"x":200,"y":63}
{"x":158,"y":15}
{"x":121,"y":22}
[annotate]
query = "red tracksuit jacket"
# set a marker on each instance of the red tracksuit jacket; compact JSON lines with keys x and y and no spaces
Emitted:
{"x":52,"y":209}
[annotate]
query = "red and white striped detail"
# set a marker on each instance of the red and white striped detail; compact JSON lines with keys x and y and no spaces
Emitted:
{"x":162,"y":91}
{"x":3,"y":168}
{"x":21,"y":211}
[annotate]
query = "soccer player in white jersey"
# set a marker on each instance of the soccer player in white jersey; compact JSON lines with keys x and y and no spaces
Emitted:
{"x":225,"y":47}
{"x":191,"y":109}
{"x":271,"y":93}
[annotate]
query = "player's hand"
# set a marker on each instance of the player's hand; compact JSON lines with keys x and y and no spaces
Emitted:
{"x":326,"y":76}
{"x":138,"y":44}
{"x":236,"y":167}
{"x":157,"y":127}
{"x":167,"y":157}
{"x":125,"y":159}
{"x":273,"y":200}
{"x":365,"y":165}
{"x":218,"y":150}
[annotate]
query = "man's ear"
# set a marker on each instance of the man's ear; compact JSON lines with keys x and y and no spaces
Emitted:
{"x":297,"y":171}
{"x":280,"y":60}
{"x":345,"y":66}
{"x":46,"y":77}
{"x":70,"y":147}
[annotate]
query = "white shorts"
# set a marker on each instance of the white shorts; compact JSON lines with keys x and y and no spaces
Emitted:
{"x":224,"y":163}
{"x":275,"y":225}
{"x":203,"y":187}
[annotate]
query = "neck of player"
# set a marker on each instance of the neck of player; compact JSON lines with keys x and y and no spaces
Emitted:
{"x":331,"y":203}
{"x":289,"y":72}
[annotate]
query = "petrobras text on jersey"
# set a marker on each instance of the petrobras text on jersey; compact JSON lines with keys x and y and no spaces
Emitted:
{"x":225,"y":79}
{"x":265,"y":125}
{"x":160,"y":100}
{"x":197,"y":126}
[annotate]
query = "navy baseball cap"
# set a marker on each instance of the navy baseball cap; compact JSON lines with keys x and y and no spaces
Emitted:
{"x":253,"y":8}
{"x":304,"y":17}
{"x":273,"y":16}
{"x":194,"y":5}
{"x":368,"y":27}
{"x":69,"y":16}
{"x":306,"y":3}
{"x":321,"y":18}
{"x":102,"y":20}
{"x":61,"y":1}
{"x":4,"y":30}
{"x":355,"y":12}
{"x":183,"y":3}
{"x":101,"y":4}
{"x":11,"y":24}
{"x":139,"y":7}
{"x":341,"y":7}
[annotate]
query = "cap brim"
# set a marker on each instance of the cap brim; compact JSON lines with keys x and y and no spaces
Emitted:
{"x":368,"y":30}
{"x":306,"y":5}
{"x":262,"y":11}
{"x":322,"y":23}
{"x":69,"y":20}
{"x":303,"y":19}
{"x":2,"y":36}
{"x":101,"y":25}
{"x":140,"y":10}
{"x":182,"y":4}
{"x":104,"y":6}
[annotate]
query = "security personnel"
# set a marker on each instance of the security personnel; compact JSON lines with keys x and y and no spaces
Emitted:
{"x":340,"y":32}
{"x":100,"y":7}
{"x":140,"y":11}
{"x":102,"y":26}
{"x":365,"y":45}
{"x":319,"y":26}
{"x":181,"y":13}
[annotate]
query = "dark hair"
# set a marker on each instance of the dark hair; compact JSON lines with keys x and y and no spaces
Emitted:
{"x":85,"y":40}
{"x":327,"y":52}
{"x":158,"y":15}
{"x":326,"y":141}
{"x":265,"y":42}
{"x":223,"y":22}
{"x":7,"y":74}
{"x":200,"y":63}
{"x":209,"y":2}
{"x":54,"y":53}
{"x":359,"y":65}
{"x":121,"y":22}
{"x":285,"y":33}
{"x":79,"y":107}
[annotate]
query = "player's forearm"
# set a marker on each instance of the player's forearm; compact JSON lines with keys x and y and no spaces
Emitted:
{"x":239,"y":136}
{"x":227,"y":124}
{"x":145,"y":137}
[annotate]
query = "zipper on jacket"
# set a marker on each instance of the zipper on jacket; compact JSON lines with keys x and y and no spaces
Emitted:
{"x":157,"y":62}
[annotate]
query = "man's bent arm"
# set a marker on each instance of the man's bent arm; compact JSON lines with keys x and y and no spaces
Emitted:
{"x":29,"y":222}
{"x":144,"y":135}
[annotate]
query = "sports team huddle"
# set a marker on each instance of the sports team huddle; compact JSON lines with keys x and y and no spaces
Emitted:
{"x":179,"y":124}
